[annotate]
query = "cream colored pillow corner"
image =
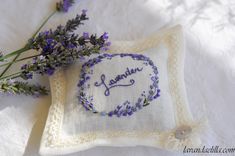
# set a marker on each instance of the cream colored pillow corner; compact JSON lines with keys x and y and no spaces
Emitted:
{"x":167,"y":123}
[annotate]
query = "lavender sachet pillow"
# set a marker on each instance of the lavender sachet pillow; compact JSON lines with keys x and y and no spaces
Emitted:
{"x":132,"y":95}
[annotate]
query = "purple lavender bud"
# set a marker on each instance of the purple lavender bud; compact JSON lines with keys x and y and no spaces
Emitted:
{"x":124,"y":113}
{"x":29,"y":75}
{"x":102,"y":113}
{"x":49,"y":40}
{"x":104,"y":48}
{"x":23,"y":67}
{"x":119,"y":114}
{"x":66,"y":5}
{"x":84,"y":11}
{"x":115,"y":111}
{"x":105,"y":36}
{"x":71,"y":46}
{"x":158,"y":92}
{"x":108,"y":44}
{"x":63,"y":6}
{"x":130,"y":113}
{"x":46,"y":33}
{"x":119,"y":107}
{"x":35,"y":60}
{"x":110,"y":114}
{"x":85,"y":35}
{"x":50,"y":71}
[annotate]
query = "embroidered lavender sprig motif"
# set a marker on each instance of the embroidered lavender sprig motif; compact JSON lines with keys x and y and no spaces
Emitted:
{"x":126,"y":108}
{"x":56,"y":48}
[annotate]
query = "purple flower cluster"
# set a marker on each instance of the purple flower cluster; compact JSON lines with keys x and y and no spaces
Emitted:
{"x":127,"y":110}
{"x":61,"y":37}
{"x":84,"y":11}
{"x":86,"y":104}
{"x":62,"y":47}
{"x":64,"y":5}
{"x":123,"y":110}
{"x":39,"y":65}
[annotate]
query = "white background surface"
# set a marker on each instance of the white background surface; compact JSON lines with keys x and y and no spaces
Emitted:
{"x":209,"y":70}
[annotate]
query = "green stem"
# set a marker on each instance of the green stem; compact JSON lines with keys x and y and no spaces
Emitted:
{"x":9,"y":65}
{"x":14,"y":53}
{"x":14,"y":77}
{"x":8,"y":76}
{"x":18,"y":52}
{"x":25,"y":58}
{"x":44,"y":23}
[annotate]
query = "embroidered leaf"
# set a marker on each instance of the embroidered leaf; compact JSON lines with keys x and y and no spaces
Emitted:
{"x":146,"y":103}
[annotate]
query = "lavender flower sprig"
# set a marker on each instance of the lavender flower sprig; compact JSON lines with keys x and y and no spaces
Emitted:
{"x":57,"y":48}
{"x":59,"y":58}
{"x":63,"y":35}
{"x":63,"y":56}
{"x":62,"y":6}
{"x":11,"y":87}
{"x":61,"y":47}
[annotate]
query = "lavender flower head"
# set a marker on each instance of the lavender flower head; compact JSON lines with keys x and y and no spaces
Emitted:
{"x":105,"y":36}
{"x":85,"y":35}
{"x":64,"y":5}
{"x":61,"y":47}
{"x":15,"y":87}
{"x":84,"y":11}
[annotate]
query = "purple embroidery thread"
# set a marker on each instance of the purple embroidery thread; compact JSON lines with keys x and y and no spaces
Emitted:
{"x":112,"y":82}
{"x":126,"y":108}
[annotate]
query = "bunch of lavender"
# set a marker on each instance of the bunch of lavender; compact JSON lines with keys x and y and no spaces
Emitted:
{"x":57,"y":48}
{"x":60,"y":48}
{"x":62,"y":6}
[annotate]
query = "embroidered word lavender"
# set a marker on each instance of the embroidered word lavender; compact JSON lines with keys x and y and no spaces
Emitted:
{"x":113,"y":82}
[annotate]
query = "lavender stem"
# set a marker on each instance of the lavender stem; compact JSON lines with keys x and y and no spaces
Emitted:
{"x":18,"y":52}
